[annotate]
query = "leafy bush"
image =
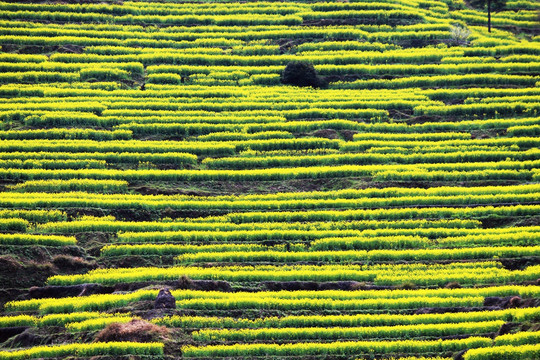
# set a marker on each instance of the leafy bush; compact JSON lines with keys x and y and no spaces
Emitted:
{"x":299,"y":73}
{"x":460,"y":35}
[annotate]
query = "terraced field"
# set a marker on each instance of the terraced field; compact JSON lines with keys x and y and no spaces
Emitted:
{"x":392,"y":213}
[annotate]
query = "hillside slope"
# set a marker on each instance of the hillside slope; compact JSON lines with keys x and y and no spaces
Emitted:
{"x":151,"y":146}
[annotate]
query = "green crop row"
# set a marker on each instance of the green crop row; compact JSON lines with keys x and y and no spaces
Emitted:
{"x":441,"y":80}
{"x":372,"y":233}
{"x":346,"y":256}
{"x":453,"y":227}
{"x":85,"y":350}
{"x":371,"y":199}
{"x":520,"y":338}
{"x":211,"y":132}
{"x":367,"y":158}
{"x":482,"y":110}
{"x":98,"y":323}
{"x":515,"y":170}
{"x":37,"y":77}
{"x":101,"y":135}
{"x":88,"y":185}
{"x":85,"y":68}
{"x":76,"y":304}
{"x":171,"y":249}
{"x":88,"y":119}
{"x":508,"y":352}
{"x":524,"y":238}
{"x":52,"y":319}
{"x":374,"y":193}
{"x":139,"y":8}
{"x":11,"y":224}
{"x":399,"y":56}
{"x":399,"y":213}
{"x":424,"y":175}
{"x":206,"y":35}
{"x":221,"y":20}
{"x":199,"y":148}
{"x":103,"y":301}
{"x":131,"y":146}
{"x":53,"y":164}
{"x":432,"y":275}
{"x":357,"y":333}
{"x":522,"y":142}
{"x":236,"y":136}
{"x":292,"y":113}
{"x":341,"y":348}
{"x":70,"y":306}
{"x":528,"y":291}
{"x":177,"y":158}
{"x":479,"y":345}
{"x":353,"y":239}
{"x":523,"y":130}
{"x":364,"y":320}
{"x":34,"y":216}
{"x":28,"y":239}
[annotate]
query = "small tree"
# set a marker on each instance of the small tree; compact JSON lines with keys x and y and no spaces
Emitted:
{"x":300,"y":73}
{"x":492,"y":5}
{"x":459,"y":35}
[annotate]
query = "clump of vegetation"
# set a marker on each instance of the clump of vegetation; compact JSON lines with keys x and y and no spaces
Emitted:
{"x":72,"y":262}
{"x":301,"y":73}
{"x":184,"y":283}
{"x":408,"y":286}
{"x":460,"y":34}
{"x":104,"y":74}
{"x":453,"y":285}
{"x":135,"y":330}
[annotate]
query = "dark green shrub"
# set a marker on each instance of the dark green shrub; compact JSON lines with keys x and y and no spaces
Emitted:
{"x":300,"y":73}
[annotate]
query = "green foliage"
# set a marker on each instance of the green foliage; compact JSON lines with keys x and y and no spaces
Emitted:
{"x":419,"y":274}
{"x":26,"y":239}
{"x":349,"y":348}
{"x":490,"y":5}
{"x":525,"y":352}
{"x":85,"y":350}
{"x":299,"y":73}
{"x":103,"y":74}
{"x":496,"y":5}
{"x":415,"y":171}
